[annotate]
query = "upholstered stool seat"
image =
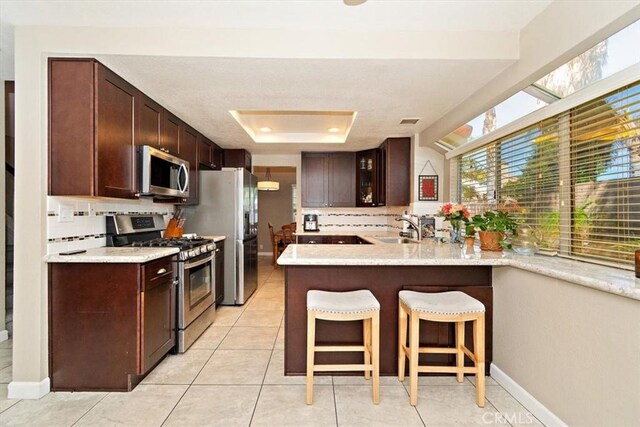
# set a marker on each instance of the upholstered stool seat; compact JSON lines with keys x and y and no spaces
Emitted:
{"x":456,"y":307}
{"x":455,"y":302}
{"x":345,"y":306}
{"x":342,"y":302}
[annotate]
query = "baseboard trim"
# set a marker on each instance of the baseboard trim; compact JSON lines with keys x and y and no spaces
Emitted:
{"x":28,"y":389}
{"x":4,"y":335}
{"x":540,"y":411}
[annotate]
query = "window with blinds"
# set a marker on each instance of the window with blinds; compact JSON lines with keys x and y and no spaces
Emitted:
{"x":574,"y":177}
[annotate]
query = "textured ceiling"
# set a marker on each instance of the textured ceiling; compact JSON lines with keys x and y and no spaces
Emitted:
{"x":440,"y":53}
{"x":202,"y":91}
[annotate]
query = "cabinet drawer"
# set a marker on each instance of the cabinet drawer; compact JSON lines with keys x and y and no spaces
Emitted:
{"x":157,"y":272}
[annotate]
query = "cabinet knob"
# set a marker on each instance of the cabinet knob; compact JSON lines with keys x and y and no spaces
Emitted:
{"x":341,"y":242}
{"x":217,"y":250}
{"x":330,"y":204}
{"x":312,"y":242}
{"x":161,"y":271}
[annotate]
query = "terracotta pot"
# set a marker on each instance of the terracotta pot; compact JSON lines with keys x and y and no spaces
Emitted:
{"x":490,"y":240}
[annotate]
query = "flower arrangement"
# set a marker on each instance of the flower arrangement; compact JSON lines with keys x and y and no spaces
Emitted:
{"x":456,"y":214}
{"x":452,"y":212}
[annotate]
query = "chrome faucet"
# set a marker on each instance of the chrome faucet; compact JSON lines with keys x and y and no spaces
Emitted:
{"x":413,"y":224}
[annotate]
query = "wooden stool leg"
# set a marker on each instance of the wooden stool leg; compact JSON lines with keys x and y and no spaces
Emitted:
{"x":366,"y":328}
{"x":459,"y":352}
{"x":402,"y":340}
{"x":375,"y":353}
{"x":311,"y":343}
{"x":414,"y":343}
{"x":478,"y":349}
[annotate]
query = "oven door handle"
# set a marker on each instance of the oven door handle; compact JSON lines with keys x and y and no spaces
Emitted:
{"x":188,"y":266}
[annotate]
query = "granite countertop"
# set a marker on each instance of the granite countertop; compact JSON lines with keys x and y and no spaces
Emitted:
{"x":608,"y":279}
{"x":215,"y":237}
{"x":113,"y":255}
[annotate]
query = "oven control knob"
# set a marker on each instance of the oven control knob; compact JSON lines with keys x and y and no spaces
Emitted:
{"x":182,"y":256}
{"x":192,"y":253}
{"x":211,"y":247}
{"x":198,"y":251}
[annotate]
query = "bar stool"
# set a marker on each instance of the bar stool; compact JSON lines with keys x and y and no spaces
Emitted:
{"x":455,"y":307}
{"x":344,"y":306}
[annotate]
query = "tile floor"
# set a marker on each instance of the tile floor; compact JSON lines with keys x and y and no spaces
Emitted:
{"x":232,"y":376}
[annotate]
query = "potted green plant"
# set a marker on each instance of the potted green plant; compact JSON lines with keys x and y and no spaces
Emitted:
{"x":470,"y":234}
{"x":492,"y":228}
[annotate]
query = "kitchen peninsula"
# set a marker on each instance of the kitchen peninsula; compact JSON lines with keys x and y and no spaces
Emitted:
{"x":385,"y":269}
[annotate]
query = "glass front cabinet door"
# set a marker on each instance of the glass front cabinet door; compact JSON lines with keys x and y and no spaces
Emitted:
{"x":366,"y":178}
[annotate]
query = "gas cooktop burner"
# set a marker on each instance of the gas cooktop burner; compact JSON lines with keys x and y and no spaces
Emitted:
{"x":182,"y":243}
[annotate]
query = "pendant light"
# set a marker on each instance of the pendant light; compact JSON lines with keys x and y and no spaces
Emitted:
{"x":268,"y":184}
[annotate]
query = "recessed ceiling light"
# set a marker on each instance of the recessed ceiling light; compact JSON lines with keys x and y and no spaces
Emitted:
{"x":334,"y":130}
{"x":265,"y":129}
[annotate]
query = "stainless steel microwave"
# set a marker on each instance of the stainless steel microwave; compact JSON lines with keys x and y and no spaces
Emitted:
{"x":163,"y":174}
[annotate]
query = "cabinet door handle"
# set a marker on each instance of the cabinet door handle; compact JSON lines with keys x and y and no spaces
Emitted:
{"x":341,"y":242}
{"x":330,"y":204}
{"x":161,"y":271}
{"x":312,"y":242}
{"x":175,"y":282}
{"x":217,"y":250}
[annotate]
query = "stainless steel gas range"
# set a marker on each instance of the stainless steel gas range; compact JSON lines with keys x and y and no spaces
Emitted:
{"x":194,"y":266}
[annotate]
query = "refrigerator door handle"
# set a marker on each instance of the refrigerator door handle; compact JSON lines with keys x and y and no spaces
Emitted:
{"x":239,"y":271}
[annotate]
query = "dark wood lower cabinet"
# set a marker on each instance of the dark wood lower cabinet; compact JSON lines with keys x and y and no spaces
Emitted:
{"x":109,"y":324}
{"x":330,"y":240}
{"x":219,"y":272}
{"x":384,"y":283}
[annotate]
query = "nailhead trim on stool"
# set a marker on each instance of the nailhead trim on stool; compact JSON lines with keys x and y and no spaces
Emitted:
{"x":345,"y":306}
{"x":454,"y":307}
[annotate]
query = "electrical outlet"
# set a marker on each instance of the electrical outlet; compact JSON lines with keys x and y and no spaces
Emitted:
{"x":261,"y":247}
{"x":65,"y":213}
{"x":92,"y":209}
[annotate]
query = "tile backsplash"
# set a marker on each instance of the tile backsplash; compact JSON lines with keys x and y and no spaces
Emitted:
{"x":79,"y":222}
{"x":357,"y":219}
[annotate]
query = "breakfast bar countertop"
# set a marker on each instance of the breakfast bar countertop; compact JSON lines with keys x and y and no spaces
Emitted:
{"x":114,"y":255}
{"x":429,"y":253}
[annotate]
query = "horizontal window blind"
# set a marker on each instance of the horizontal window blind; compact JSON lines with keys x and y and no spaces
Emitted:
{"x":605,"y":176}
{"x":518,"y":174}
{"x":574,"y":177}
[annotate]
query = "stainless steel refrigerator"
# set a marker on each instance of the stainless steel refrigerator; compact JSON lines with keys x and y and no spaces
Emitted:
{"x":229,"y":206}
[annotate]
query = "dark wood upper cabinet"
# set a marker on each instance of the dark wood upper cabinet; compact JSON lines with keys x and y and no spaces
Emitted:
{"x":217,"y":156}
{"x":341,"y":180}
{"x":396,"y":171}
{"x":328,"y":179}
{"x":210,"y":156}
{"x":205,"y":154}
{"x":237,"y":158}
{"x":171,"y":133}
{"x":149,"y":120}
{"x":91,"y":131}
{"x":189,"y":143}
{"x":315,"y":170}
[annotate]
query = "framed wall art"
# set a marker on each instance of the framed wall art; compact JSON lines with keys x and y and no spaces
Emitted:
{"x":428,"y":188}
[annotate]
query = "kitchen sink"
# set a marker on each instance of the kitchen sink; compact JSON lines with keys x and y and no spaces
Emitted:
{"x":397,"y":240}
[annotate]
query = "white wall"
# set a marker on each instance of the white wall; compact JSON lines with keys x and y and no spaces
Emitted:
{"x":548,"y":41}
{"x":420,"y":155}
{"x":574,"y":349}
